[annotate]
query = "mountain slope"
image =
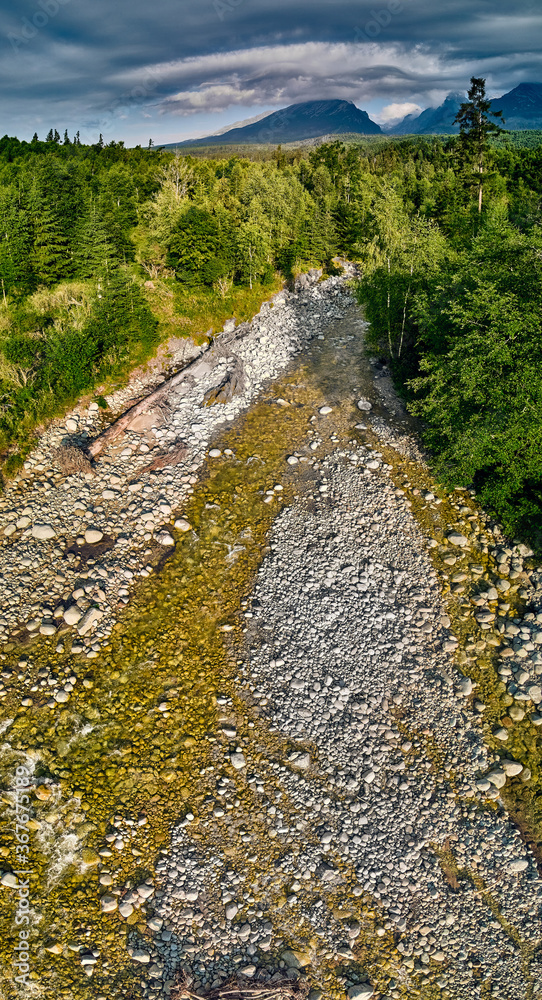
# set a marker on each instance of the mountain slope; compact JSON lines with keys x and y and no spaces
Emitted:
{"x":433,"y":120}
{"x":298,"y":121}
{"x":521,"y":107}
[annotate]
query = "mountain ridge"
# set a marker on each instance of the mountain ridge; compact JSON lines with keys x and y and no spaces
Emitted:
{"x":521,"y":107}
{"x":305,"y":120}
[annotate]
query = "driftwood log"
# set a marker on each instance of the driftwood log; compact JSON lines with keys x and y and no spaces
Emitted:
{"x":123,"y":423}
{"x":283,"y":990}
{"x":231,"y":385}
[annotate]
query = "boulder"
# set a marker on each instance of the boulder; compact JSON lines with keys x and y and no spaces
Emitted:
{"x":43,"y":532}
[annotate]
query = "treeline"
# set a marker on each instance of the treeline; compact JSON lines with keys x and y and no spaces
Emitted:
{"x":454,"y":300}
{"x":453,"y":296}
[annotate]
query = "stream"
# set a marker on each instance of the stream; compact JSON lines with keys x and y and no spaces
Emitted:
{"x":277,"y":764}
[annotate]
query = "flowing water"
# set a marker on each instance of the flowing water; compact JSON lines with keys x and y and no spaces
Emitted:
{"x":137,"y":743}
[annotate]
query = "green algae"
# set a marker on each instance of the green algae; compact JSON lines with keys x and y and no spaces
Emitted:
{"x":110,"y":750}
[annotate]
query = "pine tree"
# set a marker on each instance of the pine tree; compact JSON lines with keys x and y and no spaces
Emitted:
{"x":15,"y":246}
{"x":35,"y":137}
{"x":66,"y":138}
{"x":50,"y":136}
{"x":475,"y":128}
{"x":77,"y":140}
{"x":57,"y":136}
{"x":50,"y":258}
{"x":94,"y":250}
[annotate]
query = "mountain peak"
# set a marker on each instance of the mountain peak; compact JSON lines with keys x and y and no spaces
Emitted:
{"x":305,"y":120}
{"x":521,"y":108}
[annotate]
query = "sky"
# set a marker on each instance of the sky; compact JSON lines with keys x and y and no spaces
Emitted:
{"x":170,"y":70}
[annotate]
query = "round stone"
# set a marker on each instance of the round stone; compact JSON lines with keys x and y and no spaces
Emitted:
{"x":518,"y":866}
{"x":43,"y":532}
{"x":511,"y":767}
{"x":47,"y":628}
{"x":138,"y":955}
{"x":535,"y":693}
{"x":182,"y":524}
{"x":108,"y":903}
{"x":164,"y":538}
{"x":497,"y":778}
{"x":363,"y":991}
{"x":456,"y":539}
{"x":292,"y":460}
{"x":93,"y":535}
{"x":238,"y":761}
{"x":324,"y":410}
{"x":364,"y":405}
{"x":72,"y":615}
{"x":215,"y":453}
{"x":61,"y":696}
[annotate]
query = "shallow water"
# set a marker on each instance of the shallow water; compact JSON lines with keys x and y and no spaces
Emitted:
{"x":139,"y":738}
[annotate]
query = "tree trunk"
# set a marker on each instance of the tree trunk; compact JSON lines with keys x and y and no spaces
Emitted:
{"x":122,"y":424}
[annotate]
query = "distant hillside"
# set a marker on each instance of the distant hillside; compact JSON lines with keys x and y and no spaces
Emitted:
{"x":431,"y":121}
{"x":294,"y":123}
{"x":521,"y":107}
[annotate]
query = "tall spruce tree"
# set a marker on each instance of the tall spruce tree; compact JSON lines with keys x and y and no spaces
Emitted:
{"x":475,"y":128}
{"x":94,"y":251}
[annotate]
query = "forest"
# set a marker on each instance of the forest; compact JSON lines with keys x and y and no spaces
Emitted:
{"x":107,"y":251}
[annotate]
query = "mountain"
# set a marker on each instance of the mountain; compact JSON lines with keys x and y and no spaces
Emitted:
{"x":241,"y":124}
{"x":298,"y":121}
{"x":433,"y":120}
{"x":521,"y":107}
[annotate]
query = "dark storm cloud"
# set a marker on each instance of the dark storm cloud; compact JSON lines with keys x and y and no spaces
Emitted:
{"x":84,"y":61}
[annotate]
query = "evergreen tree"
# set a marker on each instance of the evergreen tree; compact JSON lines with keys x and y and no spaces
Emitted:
{"x":35,"y":137}
{"x":50,"y":136}
{"x":15,"y":244}
{"x":475,"y":128}
{"x":50,"y":257}
{"x":57,"y":137}
{"x":94,"y":251}
{"x":66,"y":138}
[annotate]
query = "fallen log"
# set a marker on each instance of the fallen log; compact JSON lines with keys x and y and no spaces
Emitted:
{"x":240,"y":990}
{"x":123,"y":423}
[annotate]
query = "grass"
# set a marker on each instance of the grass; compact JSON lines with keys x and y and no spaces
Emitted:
{"x":181,"y":313}
{"x":202,"y":312}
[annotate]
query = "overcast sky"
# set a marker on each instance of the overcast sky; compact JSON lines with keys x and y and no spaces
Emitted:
{"x":176,"y":69}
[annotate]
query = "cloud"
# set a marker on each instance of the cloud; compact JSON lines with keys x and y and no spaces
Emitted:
{"x":395,"y":112}
{"x":278,"y":75}
{"x":208,"y":57}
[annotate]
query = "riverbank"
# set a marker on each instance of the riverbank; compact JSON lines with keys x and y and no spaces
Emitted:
{"x":76,"y":537}
{"x":300,"y":749}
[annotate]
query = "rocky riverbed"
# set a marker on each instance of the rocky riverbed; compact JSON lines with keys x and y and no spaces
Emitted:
{"x":310,"y":741}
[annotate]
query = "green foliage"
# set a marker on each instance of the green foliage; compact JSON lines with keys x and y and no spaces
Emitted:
{"x":480,"y":384}
{"x":452,"y":294}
